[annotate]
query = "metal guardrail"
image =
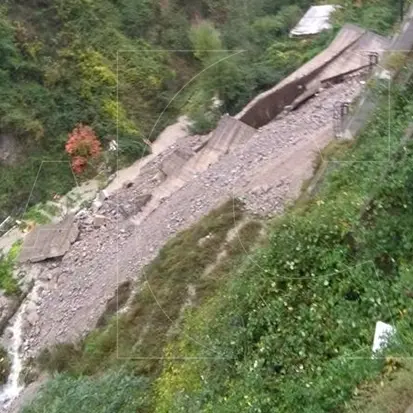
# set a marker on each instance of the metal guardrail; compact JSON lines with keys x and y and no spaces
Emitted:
{"x":6,"y":225}
{"x":348,"y":125}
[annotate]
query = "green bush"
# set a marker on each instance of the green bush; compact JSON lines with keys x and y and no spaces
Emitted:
{"x":4,"y":365}
{"x":111,"y":392}
{"x":7,"y":262}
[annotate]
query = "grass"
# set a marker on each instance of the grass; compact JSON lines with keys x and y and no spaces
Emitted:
{"x":322,"y":163}
{"x":119,"y":299}
{"x":7,"y":263}
{"x":390,"y":393}
{"x":36,"y":214}
{"x":108,"y":393}
{"x":4,"y":365}
{"x":274,"y":319}
{"x":298,"y":321}
{"x":156,"y":309}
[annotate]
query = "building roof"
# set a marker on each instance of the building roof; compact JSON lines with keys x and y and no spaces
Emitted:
{"x":314,"y":21}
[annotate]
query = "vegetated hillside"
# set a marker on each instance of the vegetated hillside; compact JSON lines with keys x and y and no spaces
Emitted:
{"x":285,"y":328}
{"x":116,"y":66}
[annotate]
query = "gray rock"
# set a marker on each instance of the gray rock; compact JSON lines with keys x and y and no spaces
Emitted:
{"x":103,"y":195}
{"x":99,"y":220}
{"x":32,"y":318}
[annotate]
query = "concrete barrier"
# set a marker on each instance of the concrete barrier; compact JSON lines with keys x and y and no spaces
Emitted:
{"x":346,"y":54}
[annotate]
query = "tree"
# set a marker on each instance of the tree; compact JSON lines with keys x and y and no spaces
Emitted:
{"x":205,"y":41}
{"x":82,"y":146}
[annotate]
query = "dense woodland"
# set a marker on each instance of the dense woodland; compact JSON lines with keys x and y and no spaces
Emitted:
{"x":69,"y":62}
{"x":286,"y":331}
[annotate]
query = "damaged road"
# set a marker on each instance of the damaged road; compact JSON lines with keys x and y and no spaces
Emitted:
{"x":266,"y":172}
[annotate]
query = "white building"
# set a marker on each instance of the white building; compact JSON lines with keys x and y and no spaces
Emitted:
{"x":314,"y":21}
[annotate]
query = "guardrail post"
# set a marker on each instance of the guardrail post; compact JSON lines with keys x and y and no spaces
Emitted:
{"x":373,"y":59}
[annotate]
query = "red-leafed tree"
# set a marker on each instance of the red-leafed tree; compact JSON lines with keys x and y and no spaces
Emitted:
{"x":82,"y":145}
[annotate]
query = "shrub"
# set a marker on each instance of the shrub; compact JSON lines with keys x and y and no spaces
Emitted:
{"x":7,"y":282}
{"x":82,"y":145}
{"x":112,"y":392}
{"x":4,"y":365}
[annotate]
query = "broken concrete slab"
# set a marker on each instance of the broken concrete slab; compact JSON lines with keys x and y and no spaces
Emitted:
{"x":103,"y":195}
{"x":99,"y":220}
{"x":142,"y":200}
{"x":201,"y":145}
{"x":131,"y":209}
{"x":173,"y":163}
{"x":49,"y":241}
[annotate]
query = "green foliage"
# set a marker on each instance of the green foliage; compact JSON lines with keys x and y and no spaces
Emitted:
{"x":138,"y":16}
{"x":155,"y":311}
{"x":378,"y":16}
{"x":203,"y":114}
{"x":37,"y":214}
{"x":270,"y":27}
{"x":115,"y":65}
{"x":297,"y":322}
{"x":112,"y":392}
{"x":205,"y":41}
{"x":4,"y":365}
{"x":7,"y":262}
{"x":63,"y":68}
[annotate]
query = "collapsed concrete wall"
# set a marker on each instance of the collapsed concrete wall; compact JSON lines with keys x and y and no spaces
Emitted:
{"x":229,"y":132}
{"x":349,"y":52}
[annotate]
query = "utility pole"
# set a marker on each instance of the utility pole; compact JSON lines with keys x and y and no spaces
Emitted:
{"x":401,"y":10}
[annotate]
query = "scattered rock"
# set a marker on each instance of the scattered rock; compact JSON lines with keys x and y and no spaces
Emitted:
{"x":173,"y":163}
{"x":128,"y":184}
{"x":32,"y":318}
{"x":96,"y":205}
{"x":103,"y":195}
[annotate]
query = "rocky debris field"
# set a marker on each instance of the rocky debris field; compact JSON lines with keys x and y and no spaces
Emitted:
{"x":265,"y":172}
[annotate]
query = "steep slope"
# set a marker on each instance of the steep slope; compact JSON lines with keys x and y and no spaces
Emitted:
{"x":246,"y":170}
{"x":117,"y":65}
